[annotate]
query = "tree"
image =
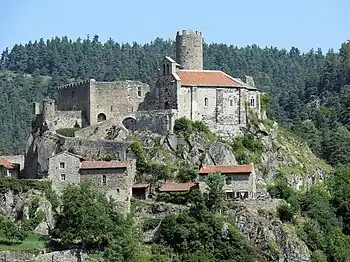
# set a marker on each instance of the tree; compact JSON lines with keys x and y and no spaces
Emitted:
{"x":215,"y":183}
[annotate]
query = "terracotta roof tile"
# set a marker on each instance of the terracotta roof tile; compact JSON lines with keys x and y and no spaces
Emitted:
{"x":178,"y":187}
{"x":227,"y":169}
{"x":140,"y":185}
{"x":102,"y":164}
{"x":6,"y":164}
{"x":207,"y":78}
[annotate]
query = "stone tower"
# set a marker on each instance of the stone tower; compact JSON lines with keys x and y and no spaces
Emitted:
{"x":189,"y":49}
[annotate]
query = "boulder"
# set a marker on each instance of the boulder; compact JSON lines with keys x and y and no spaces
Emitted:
{"x":172,"y":141}
{"x":48,"y":222}
{"x":221,"y":154}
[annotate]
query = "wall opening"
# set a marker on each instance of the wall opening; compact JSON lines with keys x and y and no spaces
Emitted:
{"x":206,"y":101}
{"x":101,"y":117}
{"x":129,"y":123}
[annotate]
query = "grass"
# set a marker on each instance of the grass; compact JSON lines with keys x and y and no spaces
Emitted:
{"x":31,"y":244}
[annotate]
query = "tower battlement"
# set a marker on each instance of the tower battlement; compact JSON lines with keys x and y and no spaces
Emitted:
{"x":76,"y":84}
{"x":189,"y":32}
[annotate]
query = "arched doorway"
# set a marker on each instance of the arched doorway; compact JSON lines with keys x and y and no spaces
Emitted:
{"x":101,"y":117}
{"x":129,"y":123}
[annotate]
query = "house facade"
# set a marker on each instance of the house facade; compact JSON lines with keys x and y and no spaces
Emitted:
{"x":239,"y":180}
{"x":8,"y":169}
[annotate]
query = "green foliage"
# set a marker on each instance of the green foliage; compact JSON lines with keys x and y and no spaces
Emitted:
{"x":265,"y":101}
{"x":159,"y":171}
{"x":68,"y":132}
{"x":186,"y":174}
{"x":141,"y":159}
{"x":12,"y":231}
{"x":285,"y":212}
{"x":215,"y":183}
{"x":200,"y":238}
{"x":179,"y":198}
{"x":150,"y":223}
{"x":186,"y":126}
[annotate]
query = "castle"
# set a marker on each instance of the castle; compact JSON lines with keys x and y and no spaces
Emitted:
{"x":183,"y":89}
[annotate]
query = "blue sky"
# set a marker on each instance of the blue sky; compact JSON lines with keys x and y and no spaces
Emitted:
{"x":304,"y":24}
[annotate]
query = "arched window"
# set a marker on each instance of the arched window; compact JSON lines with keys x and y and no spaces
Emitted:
{"x":101,"y":117}
{"x":206,"y":101}
{"x":168,"y":69}
{"x":231,"y":102}
{"x":252,"y":101}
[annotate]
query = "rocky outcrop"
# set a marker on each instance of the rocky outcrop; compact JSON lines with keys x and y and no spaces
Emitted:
{"x":16,"y":206}
{"x":221,"y":154}
{"x":263,"y":230}
{"x":39,"y":149}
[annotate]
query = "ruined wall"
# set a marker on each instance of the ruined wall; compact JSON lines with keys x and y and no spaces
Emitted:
{"x":96,"y":148}
{"x":75,"y":97}
{"x":160,"y":121}
{"x":118,"y":183}
{"x":117,"y":100}
{"x":70,"y":171}
{"x":67,"y":119}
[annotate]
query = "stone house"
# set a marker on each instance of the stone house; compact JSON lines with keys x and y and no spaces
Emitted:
{"x":64,"y":170}
{"x":114,"y":178}
{"x":8,"y":169}
{"x":239,"y":180}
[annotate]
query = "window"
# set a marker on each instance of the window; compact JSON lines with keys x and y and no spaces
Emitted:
{"x":164,"y":69}
{"x":228,"y":180}
{"x":104,"y":179}
{"x":63,"y":177}
{"x":111,"y":108}
{"x":252,"y":101}
{"x":201,"y":178}
{"x":206,"y":101}
{"x":139,"y":91}
{"x":118,"y":190}
{"x":62,"y":165}
{"x":231,"y":102}
{"x":168,"y":69}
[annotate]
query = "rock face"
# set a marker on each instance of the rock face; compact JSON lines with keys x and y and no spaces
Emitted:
{"x":38,"y":151}
{"x":221,"y":154}
{"x":263,"y":230}
{"x":18,"y":205}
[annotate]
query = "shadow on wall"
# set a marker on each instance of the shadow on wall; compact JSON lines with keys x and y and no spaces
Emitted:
{"x":129,"y":123}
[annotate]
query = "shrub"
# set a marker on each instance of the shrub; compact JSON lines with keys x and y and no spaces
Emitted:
{"x":182,"y":124}
{"x":186,"y":174}
{"x":150,"y":223}
{"x":68,"y":132}
{"x":141,"y":160}
{"x":285,"y":212}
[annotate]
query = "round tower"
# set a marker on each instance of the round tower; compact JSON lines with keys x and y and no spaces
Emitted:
{"x":189,"y":49}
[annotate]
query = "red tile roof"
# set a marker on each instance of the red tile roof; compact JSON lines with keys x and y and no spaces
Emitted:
{"x":6,"y":164}
{"x":140,"y":185}
{"x":207,"y":78}
{"x":178,"y":187}
{"x":102,"y":164}
{"x":227,"y":169}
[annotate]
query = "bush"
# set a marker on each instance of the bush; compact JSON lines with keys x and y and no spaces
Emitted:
{"x":68,"y":132}
{"x":179,"y":198}
{"x":141,"y":160}
{"x":186,"y":174}
{"x":12,"y":231}
{"x":150,"y":223}
{"x":159,"y":171}
{"x":182,"y":124}
{"x":285,"y":212}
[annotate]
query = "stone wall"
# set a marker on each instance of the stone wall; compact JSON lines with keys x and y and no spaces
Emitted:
{"x":118,"y":183}
{"x":96,"y":148}
{"x":70,"y":170}
{"x":68,"y":119}
{"x":119,"y":99}
{"x":160,"y":121}
{"x":76,"y":96}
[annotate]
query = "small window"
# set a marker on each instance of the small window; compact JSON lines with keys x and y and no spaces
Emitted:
{"x":118,"y":190}
{"x":252,"y":101}
{"x":228,"y":180}
{"x":206,"y":101}
{"x":231,"y":102}
{"x":164,"y":69}
{"x":139,"y":91}
{"x":201,"y":178}
{"x":168,"y":69}
{"x":62,"y":165}
{"x":111,"y":108}
{"x":104,"y":179}
{"x":63,"y":177}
